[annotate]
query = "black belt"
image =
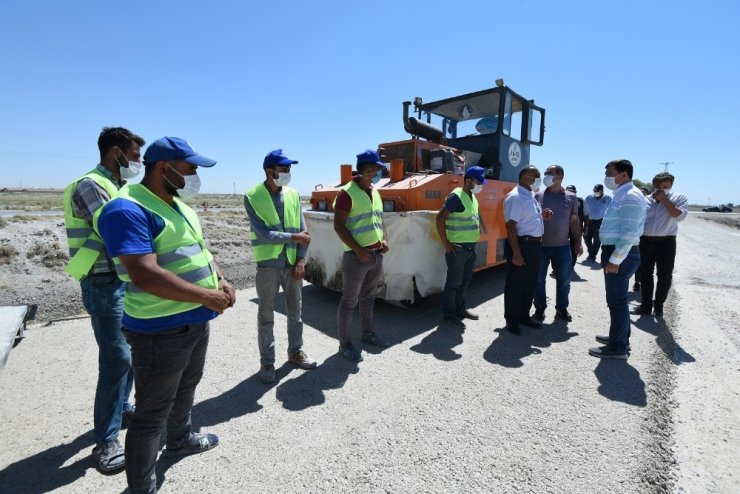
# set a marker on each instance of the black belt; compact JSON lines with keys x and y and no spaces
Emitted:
{"x":377,"y":251}
{"x":652,"y":237}
{"x":529,"y":238}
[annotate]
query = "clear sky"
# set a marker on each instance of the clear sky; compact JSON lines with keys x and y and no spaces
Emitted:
{"x":651,"y":81}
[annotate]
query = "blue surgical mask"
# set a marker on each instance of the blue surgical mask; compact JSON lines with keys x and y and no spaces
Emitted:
{"x":377,"y":177}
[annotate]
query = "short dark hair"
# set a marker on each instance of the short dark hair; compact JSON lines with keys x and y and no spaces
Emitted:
{"x":558,"y":169}
{"x":117,"y":137}
{"x":663,"y":176}
{"x":525,"y":170}
{"x":622,"y":166}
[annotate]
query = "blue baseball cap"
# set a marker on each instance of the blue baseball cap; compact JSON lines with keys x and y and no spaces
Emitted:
{"x":277,"y":158}
{"x":369,"y":156}
{"x":174,"y":148}
{"x":477,"y":173}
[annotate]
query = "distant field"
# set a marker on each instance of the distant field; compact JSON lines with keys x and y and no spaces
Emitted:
{"x":44,"y":200}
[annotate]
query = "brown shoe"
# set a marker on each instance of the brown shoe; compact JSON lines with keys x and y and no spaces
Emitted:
{"x":302,"y":360}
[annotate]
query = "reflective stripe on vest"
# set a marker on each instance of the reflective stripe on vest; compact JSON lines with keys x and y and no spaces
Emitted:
{"x":179,"y":248}
{"x":464,"y":226}
{"x":365,"y":220}
{"x":85,"y":245}
{"x":261,"y":200}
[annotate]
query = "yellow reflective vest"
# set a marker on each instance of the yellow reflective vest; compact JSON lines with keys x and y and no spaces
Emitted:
{"x":464,"y":227}
{"x":85,"y":245}
{"x":261,"y":200}
{"x":180,"y":249}
{"x":365,"y":220}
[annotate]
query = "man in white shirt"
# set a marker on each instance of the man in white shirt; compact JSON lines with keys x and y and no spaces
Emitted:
{"x":524,"y":228}
{"x":658,"y":242}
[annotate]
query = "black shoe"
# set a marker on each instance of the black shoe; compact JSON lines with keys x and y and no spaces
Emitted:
{"x":539,"y":314}
{"x":530,"y":322}
{"x":604,"y":340}
{"x":453,"y":321}
{"x":563,"y":314}
{"x":513,"y":329}
{"x":466,"y":314}
{"x":636,"y":287}
{"x":641,"y":310}
{"x":198,"y":442}
{"x":606,"y":352}
{"x":590,"y":259}
{"x":658,"y":311}
{"x":376,"y":340}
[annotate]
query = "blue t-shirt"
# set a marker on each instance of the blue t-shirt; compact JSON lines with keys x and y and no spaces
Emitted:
{"x":128,"y":228}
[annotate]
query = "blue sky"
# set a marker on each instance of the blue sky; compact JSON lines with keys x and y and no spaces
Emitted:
{"x":648,"y":81}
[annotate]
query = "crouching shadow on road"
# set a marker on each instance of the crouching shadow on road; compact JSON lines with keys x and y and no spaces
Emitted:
{"x":661,"y":329}
{"x":619,"y":381}
{"x":46,"y":471}
{"x":509,"y":350}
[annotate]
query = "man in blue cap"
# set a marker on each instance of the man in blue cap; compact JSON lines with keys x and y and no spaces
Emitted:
{"x":280,"y":241}
{"x":173,"y":289}
{"x":358,"y":221}
{"x":458,"y":225}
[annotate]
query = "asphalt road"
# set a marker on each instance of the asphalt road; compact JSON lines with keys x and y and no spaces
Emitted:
{"x":439,"y":411}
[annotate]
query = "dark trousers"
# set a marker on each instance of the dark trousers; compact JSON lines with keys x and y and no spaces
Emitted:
{"x":521,"y":282}
{"x":167,"y":368}
{"x":593,"y":242}
{"x":460,"y":264}
{"x":660,"y":253}
{"x":616,"y":286}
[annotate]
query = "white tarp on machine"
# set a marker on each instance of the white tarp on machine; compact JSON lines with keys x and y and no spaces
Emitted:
{"x":415,"y":255}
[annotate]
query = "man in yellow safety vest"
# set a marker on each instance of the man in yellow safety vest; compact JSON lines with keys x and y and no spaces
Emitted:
{"x":458,"y":225}
{"x":358,"y":221}
{"x":280,"y":241}
{"x":173,"y":289}
{"x":102,"y":291}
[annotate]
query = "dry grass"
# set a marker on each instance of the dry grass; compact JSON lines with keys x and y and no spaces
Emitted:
{"x":7,"y":253}
{"x":51,"y":254}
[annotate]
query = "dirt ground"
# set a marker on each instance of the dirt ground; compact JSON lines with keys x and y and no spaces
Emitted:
{"x":33,"y":253}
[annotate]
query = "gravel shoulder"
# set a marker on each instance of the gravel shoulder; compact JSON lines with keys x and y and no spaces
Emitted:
{"x":439,"y":411}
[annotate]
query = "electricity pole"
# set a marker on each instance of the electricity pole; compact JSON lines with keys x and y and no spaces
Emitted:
{"x":665,"y":164}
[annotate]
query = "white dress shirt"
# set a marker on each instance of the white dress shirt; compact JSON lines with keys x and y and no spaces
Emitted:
{"x":521,"y":206}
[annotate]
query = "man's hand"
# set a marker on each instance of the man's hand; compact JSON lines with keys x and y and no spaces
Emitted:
{"x":303,"y":238}
{"x":299,"y":270}
{"x":659,"y":195}
{"x":383,"y":246}
{"x":217,"y":300}
{"x":450,"y":247}
{"x":579,"y":250}
{"x":517,"y":259}
{"x":611,"y":268}
{"x":547,"y":214}
{"x":363,"y":254}
{"x":226,"y":287}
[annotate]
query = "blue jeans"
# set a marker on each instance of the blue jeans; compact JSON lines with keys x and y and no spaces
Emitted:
{"x":617,"y":286}
{"x":168,"y":367}
{"x":563,"y":266}
{"x":460,"y":264}
{"x":102,"y":296}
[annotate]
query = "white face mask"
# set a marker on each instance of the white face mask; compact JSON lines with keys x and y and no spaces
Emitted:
{"x":537,"y":184}
{"x":130,"y":171}
{"x":610,"y":183}
{"x":476,"y":188}
{"x":282,"y":180}
{"x":191,"y":187}
{"x":548,"y":180}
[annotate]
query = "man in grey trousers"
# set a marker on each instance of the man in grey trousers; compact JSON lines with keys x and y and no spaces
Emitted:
{"x":280,"y":242}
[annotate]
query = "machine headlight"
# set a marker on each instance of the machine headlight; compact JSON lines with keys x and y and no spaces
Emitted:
{"x":322,"y":205}
{"x":389,"y":206}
